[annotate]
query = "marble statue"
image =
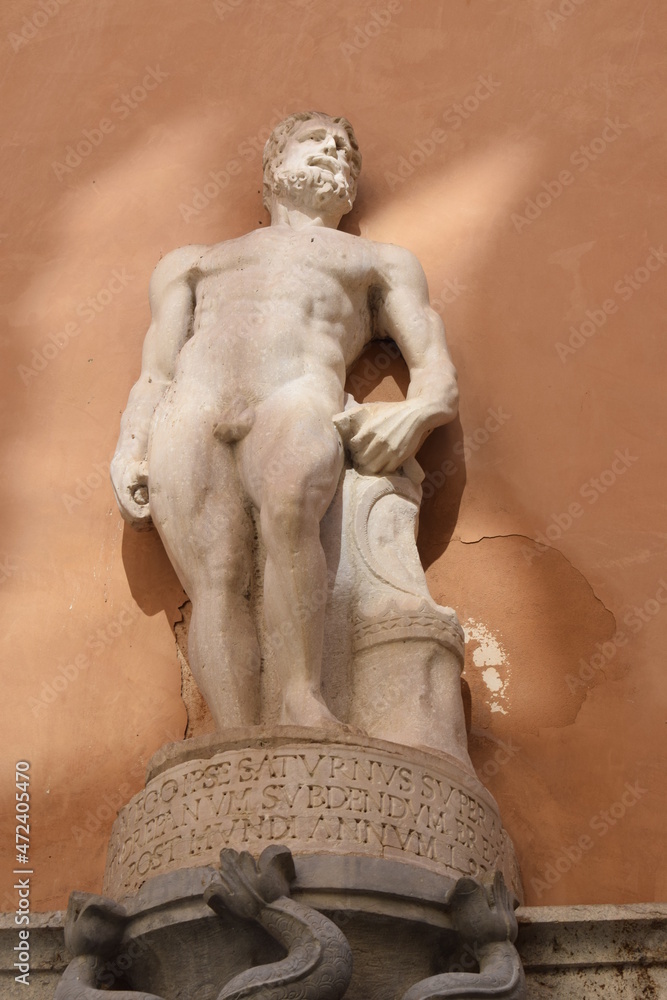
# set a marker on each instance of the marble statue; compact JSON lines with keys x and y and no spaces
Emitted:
{"x":336,"y":795}
{"x":239,"y":424}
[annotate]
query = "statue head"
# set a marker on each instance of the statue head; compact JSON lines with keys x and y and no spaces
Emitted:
{"x":313,"y":160}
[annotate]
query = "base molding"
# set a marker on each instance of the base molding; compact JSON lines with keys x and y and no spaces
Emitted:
{"x":615,"y":952}
{"x":316,"y":792}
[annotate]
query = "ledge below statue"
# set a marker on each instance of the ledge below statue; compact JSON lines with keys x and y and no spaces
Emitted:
{"x":317,"y":793}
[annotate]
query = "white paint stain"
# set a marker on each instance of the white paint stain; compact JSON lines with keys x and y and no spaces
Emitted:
{"x":490,"y":653}
{"x":492,"y":679}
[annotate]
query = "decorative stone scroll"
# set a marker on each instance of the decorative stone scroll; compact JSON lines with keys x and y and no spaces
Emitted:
{"x":340,"y":797}
{"x":393,"y":656}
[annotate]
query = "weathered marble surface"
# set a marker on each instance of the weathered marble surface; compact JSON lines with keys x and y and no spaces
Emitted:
{"x":248,"y":895}
{"x":392,"y":658}
{"x":239,"y":424}
{"x":605,"y":952}
{"x":179,"y":953}
{"x":317,"y":795}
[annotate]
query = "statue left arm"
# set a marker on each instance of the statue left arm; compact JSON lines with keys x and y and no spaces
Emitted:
{"x":381,"y":436}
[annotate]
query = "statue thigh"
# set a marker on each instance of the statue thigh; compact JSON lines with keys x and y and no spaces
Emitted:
{"x":197,"y":502}
{"x":290,"y":463}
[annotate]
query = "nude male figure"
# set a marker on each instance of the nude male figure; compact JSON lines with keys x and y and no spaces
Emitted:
{"x":241,"y":405}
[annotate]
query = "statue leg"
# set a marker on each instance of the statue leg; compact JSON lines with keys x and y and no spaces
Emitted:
{"x":291,"y":463}
{"x":197,"y":505}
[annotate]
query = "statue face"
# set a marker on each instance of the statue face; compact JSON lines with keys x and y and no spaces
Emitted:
{"x":315,"y":167}
{"x":319,"y":146}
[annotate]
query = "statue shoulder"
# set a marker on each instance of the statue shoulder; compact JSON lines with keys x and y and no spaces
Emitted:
{"x":394,"y":256}
{"x":397,"y":263}
{"x":176,"y":266}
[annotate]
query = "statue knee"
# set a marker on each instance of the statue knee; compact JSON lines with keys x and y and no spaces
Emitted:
{"x":287,"y":520}
{"x":221,"y":580}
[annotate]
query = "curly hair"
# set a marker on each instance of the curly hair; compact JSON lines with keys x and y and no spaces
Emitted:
{"x":277,"y":141}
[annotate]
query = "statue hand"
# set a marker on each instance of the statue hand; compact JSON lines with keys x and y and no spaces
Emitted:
{"x":130,"y":485}
{"x":381,"y":436}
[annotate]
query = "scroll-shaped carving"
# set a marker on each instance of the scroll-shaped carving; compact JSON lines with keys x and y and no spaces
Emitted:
{"x":384,"y":515}
{"x":94,"y":927}
{"x":483,"y":914}
{"x":318,"y":965}
{"x":401,"y":650}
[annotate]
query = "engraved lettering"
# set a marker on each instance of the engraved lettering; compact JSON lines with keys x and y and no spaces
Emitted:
{"x":191,"y":808}
{"x":309,"y":769}
{"x":313,"y":799}
{"x":170,"y":786}
{"x":407,"y":783}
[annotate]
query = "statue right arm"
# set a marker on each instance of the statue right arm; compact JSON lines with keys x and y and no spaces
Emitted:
{"x":172,"y":310}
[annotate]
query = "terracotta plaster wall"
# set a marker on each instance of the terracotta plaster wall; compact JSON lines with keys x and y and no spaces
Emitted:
{"x":516,"y":146}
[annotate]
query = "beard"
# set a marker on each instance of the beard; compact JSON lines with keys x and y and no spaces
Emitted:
{"x":314,"y":188}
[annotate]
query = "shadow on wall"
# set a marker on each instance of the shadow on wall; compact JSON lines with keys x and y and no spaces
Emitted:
{"x":147,"y":568}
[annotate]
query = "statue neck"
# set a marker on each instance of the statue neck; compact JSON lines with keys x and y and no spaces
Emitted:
{"x":299,"y":217}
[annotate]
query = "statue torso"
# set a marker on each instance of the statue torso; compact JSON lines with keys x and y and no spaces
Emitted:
{"x":280,"y":305}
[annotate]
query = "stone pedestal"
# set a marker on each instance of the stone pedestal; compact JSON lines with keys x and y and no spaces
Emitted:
{"x":321,"y":796}
{"x":301,"y":863}
{"x":616,"y":952}
{"x":392,"y":915}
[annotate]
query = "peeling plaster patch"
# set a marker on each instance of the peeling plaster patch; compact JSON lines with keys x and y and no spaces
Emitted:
{"x":488,"y":652}
{"x":492,"y":679}
{"x":491,"y":654}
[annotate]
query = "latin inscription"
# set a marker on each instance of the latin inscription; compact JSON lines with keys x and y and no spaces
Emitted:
{"x":312,"y":800}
